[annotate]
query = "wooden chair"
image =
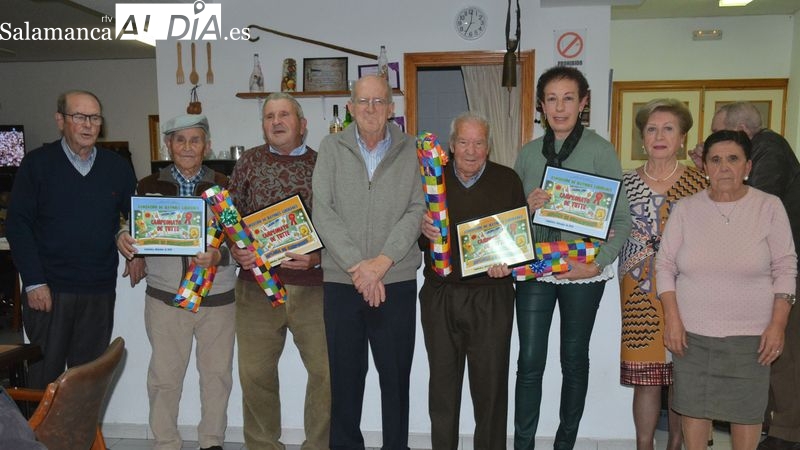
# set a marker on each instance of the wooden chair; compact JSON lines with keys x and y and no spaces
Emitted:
{"x":69,"y":409}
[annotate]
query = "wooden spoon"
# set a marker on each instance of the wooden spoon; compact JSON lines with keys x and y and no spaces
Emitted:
{"x":193,"y":76}
{"x":209,"y":72}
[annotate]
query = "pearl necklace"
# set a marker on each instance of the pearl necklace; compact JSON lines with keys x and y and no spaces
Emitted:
{"x":674,"y":169}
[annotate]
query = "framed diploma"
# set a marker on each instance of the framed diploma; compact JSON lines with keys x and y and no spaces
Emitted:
{"x":168,"y":225}
{"x":284,"y":227}
{"x":324,"y":74}
{"x":580,"y":203}
{"x":494,"y":239}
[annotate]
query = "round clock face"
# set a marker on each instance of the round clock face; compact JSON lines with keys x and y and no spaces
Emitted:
{"x":471,"y":23}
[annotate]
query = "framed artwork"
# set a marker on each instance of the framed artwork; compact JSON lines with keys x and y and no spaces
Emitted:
{"x":580,"y":202}
{"x":155,"y":135}
{"x":283,"y":227}
{"x":702,"y":97}
{"x":372,"y":69}
{"x":494,"y":239}
{"x":769,"y":102}
{"x":168,"y":225}
{"x":629,"y":146}
{"x":400,"y":121}
{"x":324,"y":74}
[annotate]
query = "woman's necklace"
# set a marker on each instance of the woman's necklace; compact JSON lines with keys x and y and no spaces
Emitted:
{"x":674,"y":169}
{"x":727,"y":217}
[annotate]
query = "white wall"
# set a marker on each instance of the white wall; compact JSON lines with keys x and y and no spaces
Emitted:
{"x":127,"y":89}
{"x":751,"y":47}
{"x":236,"y":122}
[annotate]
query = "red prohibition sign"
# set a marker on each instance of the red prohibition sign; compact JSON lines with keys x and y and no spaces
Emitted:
{"x":570,"y":44}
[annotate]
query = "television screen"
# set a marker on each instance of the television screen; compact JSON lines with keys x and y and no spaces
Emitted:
{"x":12,"y":145}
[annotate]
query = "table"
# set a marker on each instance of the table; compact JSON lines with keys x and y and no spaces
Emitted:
{"x":14,"y":357}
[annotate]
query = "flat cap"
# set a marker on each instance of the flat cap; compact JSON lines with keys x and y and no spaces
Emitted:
{"x":186,"y":121}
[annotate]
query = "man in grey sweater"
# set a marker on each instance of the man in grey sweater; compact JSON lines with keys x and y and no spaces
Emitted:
{"x":368,"y":205}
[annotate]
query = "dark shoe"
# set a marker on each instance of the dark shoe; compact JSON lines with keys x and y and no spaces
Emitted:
{"x":775,"y":443}
{"x":213,"y":447}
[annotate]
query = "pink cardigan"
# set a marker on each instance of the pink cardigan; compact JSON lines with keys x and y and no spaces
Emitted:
{"x":725,"y":275}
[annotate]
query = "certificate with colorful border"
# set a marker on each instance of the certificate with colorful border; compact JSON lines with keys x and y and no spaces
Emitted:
{"x":168,"y":225}
{"x":503,"y":238}
{"x":580,"y":203}
{"x":284,"y":227}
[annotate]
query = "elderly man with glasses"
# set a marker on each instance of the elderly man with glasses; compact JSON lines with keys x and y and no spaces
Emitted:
{"x":65,"y":211}
{"x":368,"y":206}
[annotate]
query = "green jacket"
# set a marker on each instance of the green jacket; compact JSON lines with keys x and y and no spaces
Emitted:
{"x":594,"y":155}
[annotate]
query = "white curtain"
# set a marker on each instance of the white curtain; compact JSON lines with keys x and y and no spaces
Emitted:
{"x":487,"y":96}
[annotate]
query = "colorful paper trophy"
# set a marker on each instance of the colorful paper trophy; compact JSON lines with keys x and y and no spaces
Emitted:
{"x":432,"y":160}
{"x":198,"y":280}
{"x":229,"y":218}
{"x":554,"y":257}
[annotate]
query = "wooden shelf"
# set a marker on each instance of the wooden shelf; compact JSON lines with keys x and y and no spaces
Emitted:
{"x":252,"y":95}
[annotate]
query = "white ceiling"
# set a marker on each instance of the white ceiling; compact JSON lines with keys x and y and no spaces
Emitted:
{"x":87,"y":13}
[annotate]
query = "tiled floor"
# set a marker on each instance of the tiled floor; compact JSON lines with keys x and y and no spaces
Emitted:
{"x":721,"y":439}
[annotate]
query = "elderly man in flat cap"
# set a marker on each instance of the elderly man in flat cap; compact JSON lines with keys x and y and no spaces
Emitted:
{"x":170,"y":329}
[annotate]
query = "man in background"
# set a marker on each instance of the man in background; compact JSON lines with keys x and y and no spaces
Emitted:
{"x":65,"y":210}
{"x":776,"y":170}
{"x":265,"y":175}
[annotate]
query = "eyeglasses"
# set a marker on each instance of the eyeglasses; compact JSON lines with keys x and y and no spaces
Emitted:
{"x":78,"y":118}
{"x":364,"y":102}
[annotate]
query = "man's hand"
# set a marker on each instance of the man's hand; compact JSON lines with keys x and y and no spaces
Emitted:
{"x":697,"y":156}
{"x":136,"y":269}
{"x":125,"y":245}
{"x":428,"y":229}
{"x":209,"y":258}
{"x":243,"y":256}
{"x":301,"y":262}
{"x":367,"y":278}
{"x":40,"y":299}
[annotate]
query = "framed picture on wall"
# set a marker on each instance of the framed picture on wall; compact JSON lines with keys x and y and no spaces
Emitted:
{"x":324,"y":74}
{"x":702,"y":97}
{"x":372,"y":69}
{"x":629,"y":144}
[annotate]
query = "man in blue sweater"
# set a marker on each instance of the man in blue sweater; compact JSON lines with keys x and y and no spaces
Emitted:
{"x":64,"y":213}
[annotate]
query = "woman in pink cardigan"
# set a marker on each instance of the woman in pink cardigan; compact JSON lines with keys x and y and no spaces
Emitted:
{"x":725,"y":272}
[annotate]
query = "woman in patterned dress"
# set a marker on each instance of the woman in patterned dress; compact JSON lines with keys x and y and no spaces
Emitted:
{"x":652,"y":191}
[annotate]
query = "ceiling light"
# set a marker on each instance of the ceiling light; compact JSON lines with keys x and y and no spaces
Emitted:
{"x":724,"y":3}
{"x":707,"y":35}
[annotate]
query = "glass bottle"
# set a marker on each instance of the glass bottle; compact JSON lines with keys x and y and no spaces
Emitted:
{"x":383,"y":63}
{"x":348,"y":119}
{"x":336,"y":122}
{"x":256,"y":77}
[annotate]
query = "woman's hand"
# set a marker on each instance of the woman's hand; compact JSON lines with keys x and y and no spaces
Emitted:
{"x":580,"y":271}
{"x":674,"y":335}
{"x":499,"y":271}
{"x":771,"y":346}
{"x":537,"y":198}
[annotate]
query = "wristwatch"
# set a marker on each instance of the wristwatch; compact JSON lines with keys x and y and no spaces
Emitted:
{"x":790,"y":298}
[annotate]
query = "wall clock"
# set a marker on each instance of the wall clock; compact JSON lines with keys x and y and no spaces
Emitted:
{"x":471,"y":23}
